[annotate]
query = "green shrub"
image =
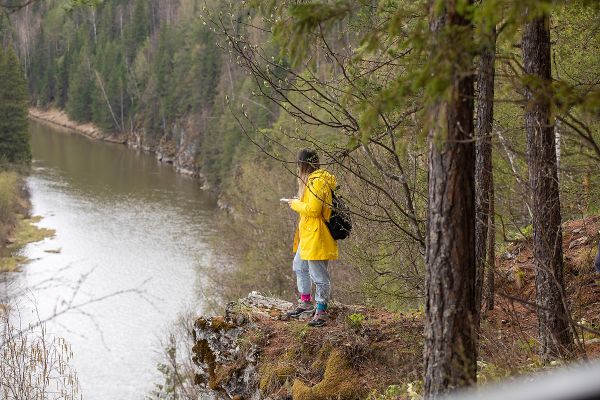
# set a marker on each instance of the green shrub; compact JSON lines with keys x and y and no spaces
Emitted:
{"x":355,"y":321}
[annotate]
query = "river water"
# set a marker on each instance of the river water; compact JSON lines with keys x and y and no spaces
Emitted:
{"x":124,"y":223}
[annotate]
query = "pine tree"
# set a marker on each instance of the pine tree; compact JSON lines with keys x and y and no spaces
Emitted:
{"x":140,"y":22}
{"x":450,"y":313}
{"x":80,"y":90}
{"x":62,"y":79}
{"x":108,"y":93}
{"x":14,"y":132}
{"x":205,"y":69}
{"x":137,"y":30}
{"x":484,"y":180}
{"x":556,"y":340}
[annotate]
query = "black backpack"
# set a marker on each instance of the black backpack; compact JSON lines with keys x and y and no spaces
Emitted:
{"x":340,"y":222}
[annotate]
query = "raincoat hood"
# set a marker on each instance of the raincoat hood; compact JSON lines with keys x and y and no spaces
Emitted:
{"x":327,"y":177}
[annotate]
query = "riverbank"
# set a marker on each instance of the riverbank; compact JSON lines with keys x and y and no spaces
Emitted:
{"x":181,"y":154}
{"x":17,"y":227}
{"x":14,"y":200}
{"x":60,"y":118}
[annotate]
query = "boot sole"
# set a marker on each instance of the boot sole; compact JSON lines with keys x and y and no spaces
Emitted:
{"x":303,"y":315}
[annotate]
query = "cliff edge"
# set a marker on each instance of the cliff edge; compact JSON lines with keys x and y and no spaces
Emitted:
{"x":252,"y":353}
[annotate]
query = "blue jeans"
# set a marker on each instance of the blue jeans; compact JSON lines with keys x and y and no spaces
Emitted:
{"x":308,"y":271}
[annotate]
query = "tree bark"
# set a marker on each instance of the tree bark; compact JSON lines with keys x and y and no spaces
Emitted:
{"x":483,"y":152}
{"x":450,"y":315}
{"x":490,"y":272}
{"x":554,"y":334}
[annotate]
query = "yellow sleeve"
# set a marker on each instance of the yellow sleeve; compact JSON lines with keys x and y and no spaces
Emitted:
{"x":314,"y":206}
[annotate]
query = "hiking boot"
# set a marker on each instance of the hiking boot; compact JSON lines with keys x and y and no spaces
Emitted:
{"x":304,"y":309}
{"x":319,"y":319}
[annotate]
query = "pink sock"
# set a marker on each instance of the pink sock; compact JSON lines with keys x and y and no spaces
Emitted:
{"x":305,"y":298}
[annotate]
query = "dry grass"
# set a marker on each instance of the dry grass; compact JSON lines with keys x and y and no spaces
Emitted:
{"x":9,"y":202}
{"x":24,"y":231}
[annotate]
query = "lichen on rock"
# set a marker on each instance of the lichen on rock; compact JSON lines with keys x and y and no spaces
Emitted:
{"x":226,"y":360}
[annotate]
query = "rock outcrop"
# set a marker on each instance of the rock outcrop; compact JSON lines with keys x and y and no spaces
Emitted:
{"x":226,"y":363}
{"x":252,"y":353}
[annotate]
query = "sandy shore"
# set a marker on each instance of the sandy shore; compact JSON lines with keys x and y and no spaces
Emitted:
{"x":60,"y":118}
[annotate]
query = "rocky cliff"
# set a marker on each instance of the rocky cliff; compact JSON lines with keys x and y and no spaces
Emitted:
{"x":252,"y":353}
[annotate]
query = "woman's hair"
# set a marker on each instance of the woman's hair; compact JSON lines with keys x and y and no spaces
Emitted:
{"x":308,"y":162}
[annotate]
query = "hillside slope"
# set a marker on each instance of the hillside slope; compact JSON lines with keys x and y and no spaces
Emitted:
{"x":251,"y":353}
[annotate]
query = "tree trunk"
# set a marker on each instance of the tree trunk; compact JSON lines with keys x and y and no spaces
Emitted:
{"x":557,"y":139}
{"x":554,"y":334}
{"x":483,"y":151}
{"x":450,"y":314}
{"x":490,"y":272}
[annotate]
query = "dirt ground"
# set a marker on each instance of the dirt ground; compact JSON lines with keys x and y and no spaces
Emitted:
{"x":514,"y":317}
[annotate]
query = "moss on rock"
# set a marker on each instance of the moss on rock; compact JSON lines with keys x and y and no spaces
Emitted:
{"x":215,"y":324}
{"x":339,"y":382}
{"x":203,"y":354}
{"x":219,"y":323}
{"x":273,"y":376}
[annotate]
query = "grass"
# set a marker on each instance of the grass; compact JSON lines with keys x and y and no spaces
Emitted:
{"x":355,"y":321}
{"x":12,"y":263}
{"x":25,"y":232}
{"x":16,"y":230}
{"x":9,"y":198}
{"x":28,"y":232}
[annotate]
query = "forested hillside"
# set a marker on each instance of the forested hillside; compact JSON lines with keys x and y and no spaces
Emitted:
{"x":454,"y":128}
{"x":147,"y":69}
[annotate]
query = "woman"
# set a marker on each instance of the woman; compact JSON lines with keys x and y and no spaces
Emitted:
{"x":313,"y":243}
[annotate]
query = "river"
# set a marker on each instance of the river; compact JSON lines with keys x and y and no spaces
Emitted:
{"x":123,"y":222}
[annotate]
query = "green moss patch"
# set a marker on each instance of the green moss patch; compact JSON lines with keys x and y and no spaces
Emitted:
{"x":339,"y":382}
{"x":273,"y":376}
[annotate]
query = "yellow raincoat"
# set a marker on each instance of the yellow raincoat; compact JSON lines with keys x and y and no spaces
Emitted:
{"x":314,"y":209}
